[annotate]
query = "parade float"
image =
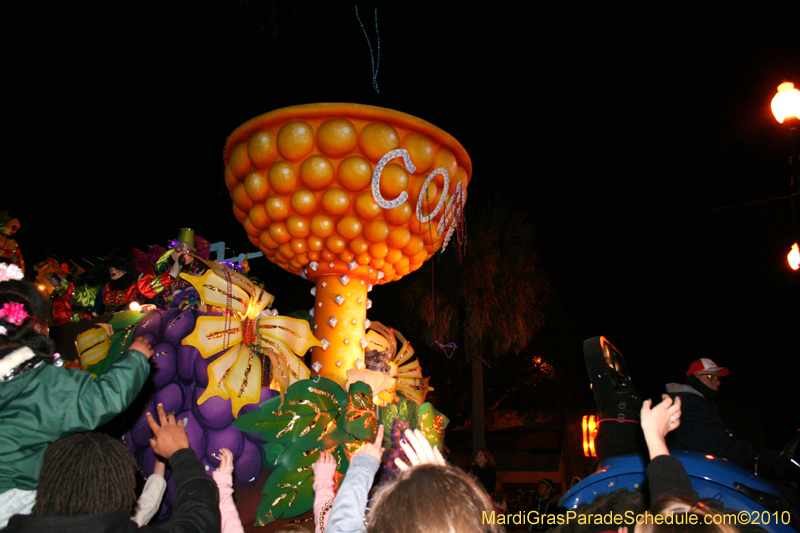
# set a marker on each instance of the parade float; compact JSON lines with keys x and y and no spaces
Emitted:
{"x":348,"y":197}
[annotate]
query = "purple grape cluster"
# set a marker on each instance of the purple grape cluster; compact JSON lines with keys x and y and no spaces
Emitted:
{"x":393,"y":450}
{"x":178,"y":378}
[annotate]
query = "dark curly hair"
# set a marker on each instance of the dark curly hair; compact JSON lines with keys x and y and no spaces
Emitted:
{"x":86,"y":473}
{"x":26,"y":334}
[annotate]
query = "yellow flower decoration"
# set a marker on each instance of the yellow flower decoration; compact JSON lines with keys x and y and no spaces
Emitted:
{"x":245,"y":334}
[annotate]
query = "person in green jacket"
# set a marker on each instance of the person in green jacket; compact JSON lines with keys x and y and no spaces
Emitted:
{"x":40,"y":401}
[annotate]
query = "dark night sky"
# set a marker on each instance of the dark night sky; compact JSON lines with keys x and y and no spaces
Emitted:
{"x":588,"y":116}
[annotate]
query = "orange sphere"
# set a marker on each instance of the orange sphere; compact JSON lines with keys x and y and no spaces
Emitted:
{"x":363,"y":259}
{"x":378,"y":250}
{"x":315,"y":244}
{"x":277,"y":208}
{"x":359,"y":245}
{"x":295,"y":140}
{"x":335,"y":201}
{"x":313,"y":256}
{"x":376,"y":230}
{"x":266,"y":241}
{"x":415,"y":191}
{"x":303,"y":259}
{"x":445,"y":158}
{"x":337,"y":137}
{"x":401,"y":265}
{"x":258,"y":216}
{"x":241,"y":199}
{"x":253,"y":240}
{"x":398,"y":237}
{"x":414,"y":246}
{"x":430,"y":236}
{"x":355,"y":173}
{"x":239,"y":214}
{"x":346,"y":256}
{"x":349,"y":227}
{"x":262,"y":149}
{"x":365,"y":206}
{"x":239,"y":162}
{"x":250,"y":228}
{"x":420,"y":150}
{"x":230,"y":179}
{"x":335,"y":243}
{"x":419,"y":228}
{"x":282,"y":178}
{"x":399,"y":215}
{"x":298,"y":246}
{"x":321,"y":225}
{"x":419,"y":257}
{"x":285,"y":250}
{"x":298,"y":226}
{"x":316,"y":172}
{"x":377,"y":263}
{"x":257,"y":185}
{"x":278,"y":233}
{"x":394,"y":180}
{"x":304,"y":202}
{"x":377,"y":138}
{"x":327,"y":256}
{"x":393,"y":255}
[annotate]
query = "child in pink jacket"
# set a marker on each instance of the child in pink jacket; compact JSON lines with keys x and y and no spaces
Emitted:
{"x":324,"y":470}
{"x":150,"y":500}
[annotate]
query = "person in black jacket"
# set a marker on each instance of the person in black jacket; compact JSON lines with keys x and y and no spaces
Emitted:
{"x":88,"y":484}
{"x":701,"y":429}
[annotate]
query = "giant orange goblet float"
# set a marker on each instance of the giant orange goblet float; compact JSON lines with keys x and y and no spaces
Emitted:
{"x":348,"y":196}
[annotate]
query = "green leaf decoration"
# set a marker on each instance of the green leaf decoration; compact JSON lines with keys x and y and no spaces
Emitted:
{"x":123,"y":323}
{"x":270,"y":453}
{"x":432,"y":423}
{"x":252,"y":422}
{"x":342,"y":460}
{"x":360,"y":419}
{"x":335,"y":437}
{"x":289,"y":489}
{"x":306,"y":418}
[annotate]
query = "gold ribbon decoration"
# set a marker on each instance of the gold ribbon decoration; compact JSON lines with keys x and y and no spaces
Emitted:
{"x":246,"y":336}
{"x":402,"y":373}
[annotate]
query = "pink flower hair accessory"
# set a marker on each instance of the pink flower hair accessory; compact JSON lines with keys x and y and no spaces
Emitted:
{"x":14,"y":312}
{"x":10,"y":271}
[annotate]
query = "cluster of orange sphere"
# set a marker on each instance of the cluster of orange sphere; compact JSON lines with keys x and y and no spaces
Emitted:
{"x":301,"y":185}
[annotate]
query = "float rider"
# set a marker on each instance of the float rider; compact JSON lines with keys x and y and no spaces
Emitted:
{"x":701,"y":428}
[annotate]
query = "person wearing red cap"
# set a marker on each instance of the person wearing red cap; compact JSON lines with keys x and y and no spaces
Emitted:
{"x":701,"y":428}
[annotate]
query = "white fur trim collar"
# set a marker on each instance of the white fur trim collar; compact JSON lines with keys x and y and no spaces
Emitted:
{"x":14,"y":359}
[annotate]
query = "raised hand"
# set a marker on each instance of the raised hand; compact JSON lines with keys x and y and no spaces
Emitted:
{"x":373,"y":448}
{"x":325,"y":458}
{"x":168,"y":436}
{"x":658,"y":421}
{"x":662,"y":418}
{"x":419,"y":451}
{"x":142,"y":345}
{"x":225,"y":458}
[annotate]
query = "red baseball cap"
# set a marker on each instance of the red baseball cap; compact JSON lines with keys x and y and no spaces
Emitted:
{"x":708,"y":366}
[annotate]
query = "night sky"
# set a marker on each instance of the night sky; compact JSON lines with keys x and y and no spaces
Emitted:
{"x":636,"y":136}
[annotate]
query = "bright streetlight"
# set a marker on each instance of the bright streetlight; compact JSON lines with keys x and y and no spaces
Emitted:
{"x":786,"y":104}
{"x":786,"y":108}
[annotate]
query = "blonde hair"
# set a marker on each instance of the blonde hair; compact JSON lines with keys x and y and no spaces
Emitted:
{"x":682,"y":509}
{"x":433,"y":498}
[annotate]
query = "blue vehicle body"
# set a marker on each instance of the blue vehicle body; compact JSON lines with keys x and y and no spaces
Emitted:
{"x":711,"y":478}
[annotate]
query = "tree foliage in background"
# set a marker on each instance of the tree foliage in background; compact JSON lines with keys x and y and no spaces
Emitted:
{"x":489,"y":298}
